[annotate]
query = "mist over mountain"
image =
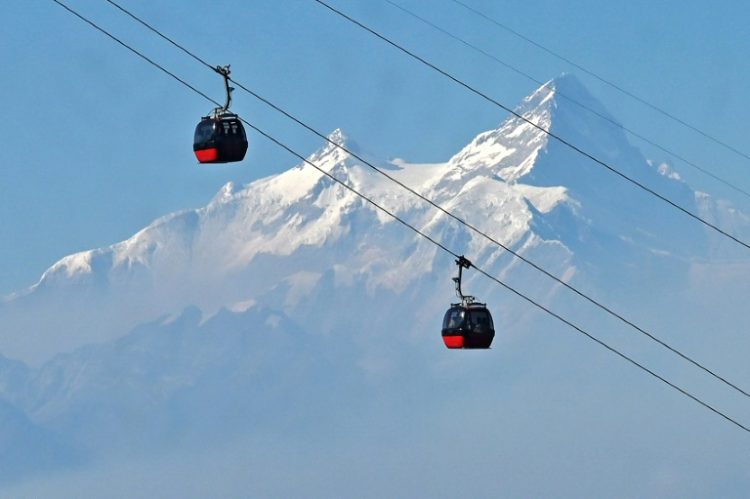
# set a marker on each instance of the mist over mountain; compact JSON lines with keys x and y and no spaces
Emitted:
{"x":292,"y":307}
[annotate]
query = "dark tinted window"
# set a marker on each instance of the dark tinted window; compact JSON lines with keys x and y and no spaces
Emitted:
{"x":204,"y":131}
{"x":454,"y":318}
{"x":482,"y":319}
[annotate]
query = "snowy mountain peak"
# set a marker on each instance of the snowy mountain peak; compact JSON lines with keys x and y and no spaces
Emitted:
{"x":563,"y":93}
{"x":509,"y":151}
{"x":304,"y":180}
{"x":329,"y":155}
{"x":563,"y":107}
{"x":539,"y":101}
{"x":70,"y":266}
{"x":338,"y":136}
{"x":225,"y":194}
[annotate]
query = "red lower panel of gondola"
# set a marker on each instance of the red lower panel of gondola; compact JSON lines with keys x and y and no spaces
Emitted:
{"x":454,"y":341}
{"x":207,"y":155}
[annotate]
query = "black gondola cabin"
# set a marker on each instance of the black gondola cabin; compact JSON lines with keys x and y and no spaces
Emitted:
{"x":220,"y":139}
{"x":468,"y":326}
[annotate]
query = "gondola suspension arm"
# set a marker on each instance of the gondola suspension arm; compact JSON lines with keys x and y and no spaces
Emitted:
{"x":462,"y":263}
{"x":224,"y":71}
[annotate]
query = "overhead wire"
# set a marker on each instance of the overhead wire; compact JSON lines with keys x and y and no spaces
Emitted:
{"x":604,"y":117}
{"x":443,"y":210}
{"x":544,"y":130}
{"x":607,"y":82}
{"x":417,"y":231}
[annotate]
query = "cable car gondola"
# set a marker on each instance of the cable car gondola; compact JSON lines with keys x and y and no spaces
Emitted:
{"x":467,"y":324}
{"x":220,"y":137}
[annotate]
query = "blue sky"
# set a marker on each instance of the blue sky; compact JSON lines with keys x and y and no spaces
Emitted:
{"x":97,"y":143}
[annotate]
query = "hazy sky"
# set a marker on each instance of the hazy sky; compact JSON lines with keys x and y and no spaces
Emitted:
{"x":97,"y":143}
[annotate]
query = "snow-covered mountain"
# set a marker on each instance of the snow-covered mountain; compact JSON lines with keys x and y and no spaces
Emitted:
{"x":207,"y":319}
{"x":298,"y":240}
